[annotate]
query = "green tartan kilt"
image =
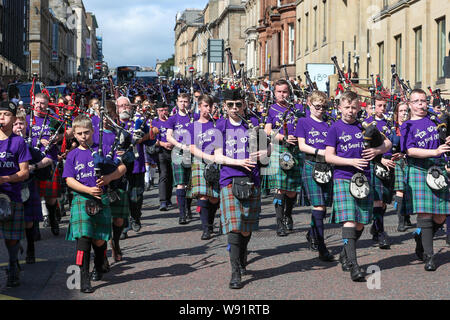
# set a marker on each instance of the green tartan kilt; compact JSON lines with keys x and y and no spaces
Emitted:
{"x":317,"y":194}
{"x":181,"y":175}
{"x":348,"y":208}
{"x":381,"y":192}
{"x":14,"y":229}
{"x":424,"y":199}
{"x":121,"y":207}
{"x":400,"y":175}
{"x":199,"y":186}
{"x":284,"y":180}
{"x":239,"y":216}
{"x":82,"y":225}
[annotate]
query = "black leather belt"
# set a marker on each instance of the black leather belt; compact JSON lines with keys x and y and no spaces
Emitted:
{"x":311,"y":157}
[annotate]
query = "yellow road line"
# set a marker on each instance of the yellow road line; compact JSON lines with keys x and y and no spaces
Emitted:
{"x":5,"y":297}
{"x":5,"y":264}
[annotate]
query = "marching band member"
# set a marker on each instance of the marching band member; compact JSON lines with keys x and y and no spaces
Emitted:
{"x":345,"y":150}
{"x":382,"y":190}
{"x":177,"y":135}
{"x":286,"y":182}
{"x":240,"y":202}
{"x":90,"y":216}
{"x":203,"y":140}
{"x":14,"y":157}
{"x":420,"y":142}
{"x":312,"y":132}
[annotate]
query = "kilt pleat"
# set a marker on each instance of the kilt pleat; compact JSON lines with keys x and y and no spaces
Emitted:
{"x":348,"y":208}
{"x":317,"y":195}
{"x":380,"y":191}
{"x":284,"y":180}
{"x":239,"y":216}
{"x":199,"y":186}
{"x":424,"y":199}
{"x":51,"y":188}
{"x":121,"y":207}
{"x":400,"y":176}
{"x":14,"y":229}
{"x":181,"y":175}
{"x":82,"y":225}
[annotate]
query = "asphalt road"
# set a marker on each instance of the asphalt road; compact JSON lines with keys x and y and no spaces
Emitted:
{"x":166,"y":261}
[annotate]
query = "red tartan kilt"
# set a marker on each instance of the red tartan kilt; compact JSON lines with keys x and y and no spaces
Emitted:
{"x":51,"y":189}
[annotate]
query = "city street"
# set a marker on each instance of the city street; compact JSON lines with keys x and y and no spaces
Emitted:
{"x":169,"y":262}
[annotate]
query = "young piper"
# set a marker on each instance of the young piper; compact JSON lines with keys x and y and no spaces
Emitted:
{"x":239,"y":207}
{"x":420,"y":141}
{"x":93,"y":228}
{"x":177,"y":136}
{"x":345,"y":150}
{"x":32,"y":206}
{"x":14,"y":157}
{"x":312,"y":132}
{"x":203,"y":142}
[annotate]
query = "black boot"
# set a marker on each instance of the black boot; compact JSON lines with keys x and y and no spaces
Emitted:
{"x":429,"y":263}
{"x":312,"y":241}
{"x":101,"y":265}
{"x":288,"y":213}
{"x":243,"y":253}
{"x":234,"y":244}
{"x":83,"y":260}
{"x":350,"y":235}
{"x":408,"y":221}
{"x":30,"y":258}
{"x":13,"y":274}
{"x":54,"y":226}
{"x":279,"y":210}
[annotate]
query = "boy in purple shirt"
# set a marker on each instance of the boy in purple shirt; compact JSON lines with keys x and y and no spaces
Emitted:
{"x":345,"y":150}
{"x":421,"y":143}
{"x":14,"y":157}
{"x":239,"y":216}
{"x":90,"y":216}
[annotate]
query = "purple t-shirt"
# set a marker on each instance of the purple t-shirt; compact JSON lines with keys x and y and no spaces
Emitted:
{"x":108,"y":140}
{"x":421,"y":134}
{"x":205,"y":136}
{"x":46,"y":134}
{"x":179,"y":125}
{"x":13,"y":151}
{"x":348,"y":141}
{"x":313,"y":132}
{"x":276,"y":113}
{"x":80,"y":166}
{"x":236,"y":146}
{"x":162,"y":127}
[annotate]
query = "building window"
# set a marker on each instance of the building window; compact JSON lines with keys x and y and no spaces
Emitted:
{"x":381,"y":60}
{"x":441,"y":47}
{"x":267,"y":58}
{"x":315,"y":27}
{"x":299,"y":28}
{"x":307,"y":32}
{"x":283,"y":51}
{"x":291,"y":43}
{"x":418,"y":54}
{"x":325,"y":21}
{"x":398,"y":54}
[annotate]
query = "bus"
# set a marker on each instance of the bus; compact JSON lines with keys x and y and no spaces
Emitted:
{"x":147,"y":76}
{"x":126,"y":73}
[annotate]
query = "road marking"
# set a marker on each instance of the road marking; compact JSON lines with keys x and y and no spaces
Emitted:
{"x":5,"y":264}
{"x":5,"y":297}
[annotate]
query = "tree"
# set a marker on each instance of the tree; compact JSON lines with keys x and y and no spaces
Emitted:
{"x":166,"y":67}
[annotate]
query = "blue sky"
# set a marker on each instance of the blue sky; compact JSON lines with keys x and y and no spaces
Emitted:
{"x":137,"y":32}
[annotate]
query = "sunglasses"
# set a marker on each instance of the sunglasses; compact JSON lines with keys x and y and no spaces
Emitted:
{"x":237,"y":104}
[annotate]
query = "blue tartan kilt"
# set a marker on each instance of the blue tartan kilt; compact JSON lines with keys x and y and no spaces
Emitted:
{"x":424,"y":199}
{"x":181,"y":175}
{"x":237,"y":215}
{"x":14,"y":229}
{"x":284,"y":180}
{"x":121,"y":207}
{"x":348,"y":208}
{"x":400,"y":176}
{"x":317,"y":194}
{"x":381,"y":192}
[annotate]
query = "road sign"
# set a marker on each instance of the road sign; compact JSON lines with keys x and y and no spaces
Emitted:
{"x":98,"y":65}
{"x":215,"y":51}
{"x":191,"y":69}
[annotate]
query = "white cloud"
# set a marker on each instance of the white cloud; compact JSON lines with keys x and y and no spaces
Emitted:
{"x":137,"y":32}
